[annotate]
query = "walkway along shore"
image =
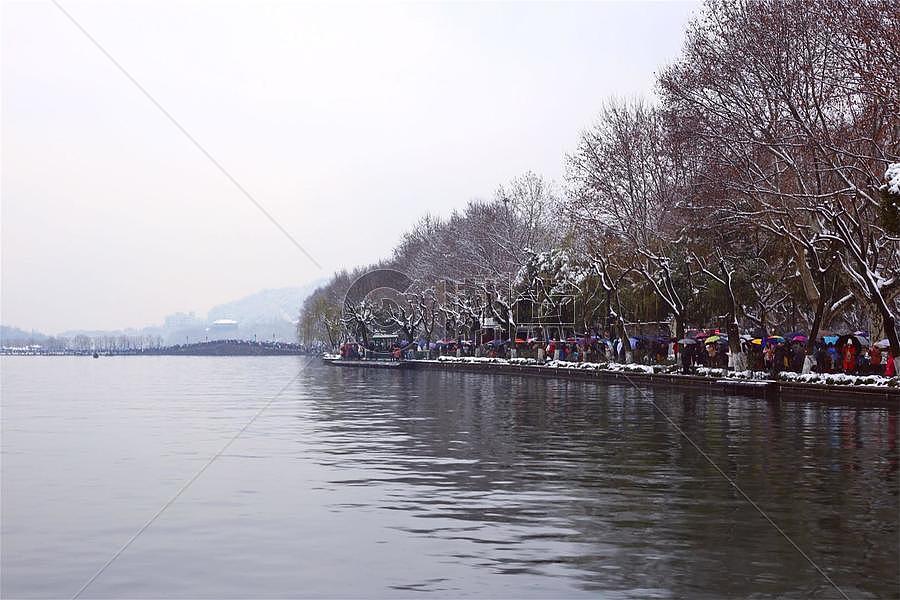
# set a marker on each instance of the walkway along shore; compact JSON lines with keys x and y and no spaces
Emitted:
{"x":770,"y":389}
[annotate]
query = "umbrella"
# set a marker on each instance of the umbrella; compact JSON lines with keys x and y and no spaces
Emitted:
{"x":687,"y":341}
{"x":712,"y":339}
{"x":856,"y":340}
{"x":701,"y":335}
{"x":769,"y":340}
{"x":882,"y":343}
{"x":799,"y":338}
{"x":830,"y":339}
{"x":746,"y":337}
{"x":520,"y":341}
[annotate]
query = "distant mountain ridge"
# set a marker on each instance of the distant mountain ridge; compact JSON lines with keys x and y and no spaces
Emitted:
{"x":266,"y":306}
{"x":265,"y":314}
{"x":14,"y":333}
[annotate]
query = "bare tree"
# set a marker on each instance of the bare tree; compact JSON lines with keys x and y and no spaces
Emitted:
{"x":625,"y":178}
{"x":405,"y":315}
{"x":428,"y":309}
{"x":359,"y":319}
{"x":799,"y":130}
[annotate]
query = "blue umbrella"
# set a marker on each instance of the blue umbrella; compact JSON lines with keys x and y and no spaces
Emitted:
{"x":830,"y":339}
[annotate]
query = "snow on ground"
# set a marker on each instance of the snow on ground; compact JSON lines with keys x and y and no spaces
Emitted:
{"x":472,"y":359}
{"x":841,"y":379}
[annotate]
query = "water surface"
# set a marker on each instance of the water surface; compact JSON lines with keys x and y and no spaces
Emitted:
{"x":357,"y":483}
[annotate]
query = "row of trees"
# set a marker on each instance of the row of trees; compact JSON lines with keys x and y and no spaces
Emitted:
{"x":751,"y":192}
{"x":85,"y":343}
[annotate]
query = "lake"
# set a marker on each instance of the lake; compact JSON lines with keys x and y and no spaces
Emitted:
{"x":375,"y":483}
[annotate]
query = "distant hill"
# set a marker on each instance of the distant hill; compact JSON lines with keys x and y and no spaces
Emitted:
{"x":281,"y":304}
{"x":263,"y":315}
{"x":266,"y":314}
{"x":9,"y":334}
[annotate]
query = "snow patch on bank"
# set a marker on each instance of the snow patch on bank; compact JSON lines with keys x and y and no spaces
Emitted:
{"x":841,"y":379}
{"x":472,"y":360}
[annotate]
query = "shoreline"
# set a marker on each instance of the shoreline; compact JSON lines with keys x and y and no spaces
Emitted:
{"x":768,"y":389}
{"x":211,"y":348}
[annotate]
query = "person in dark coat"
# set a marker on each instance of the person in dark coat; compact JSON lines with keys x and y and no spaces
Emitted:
{"x":798,"y":357}
{"x":686,"y":355}
{"x":780,"y":359}
{"x":823,"y":360}
{"x":875,"y":360}
{"x":699,"y":355}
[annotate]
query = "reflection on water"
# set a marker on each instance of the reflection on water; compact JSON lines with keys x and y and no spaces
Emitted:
{"x":379,"y":483}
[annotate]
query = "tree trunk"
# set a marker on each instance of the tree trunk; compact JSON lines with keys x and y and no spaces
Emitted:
{"x":679,"y":327}
{"x":877,"y":329}
{"x":814,"y":329}
{"x":889,"y":325}
{"x":627,"y":352}
{"x":739,"y":360}
{"x":882,"y":318}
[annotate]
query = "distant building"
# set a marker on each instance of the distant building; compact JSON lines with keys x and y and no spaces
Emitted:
{"x":222,"y":328}
{"x":181,"y":321}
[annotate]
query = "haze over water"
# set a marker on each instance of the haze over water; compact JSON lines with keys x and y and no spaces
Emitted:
{"x":400,"y":484}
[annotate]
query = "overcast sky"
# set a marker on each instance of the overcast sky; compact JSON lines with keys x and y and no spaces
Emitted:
{"x":346,"y":121}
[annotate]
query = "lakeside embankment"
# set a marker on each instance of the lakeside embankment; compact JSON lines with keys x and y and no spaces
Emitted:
{"x":212,"y":348}
{"x":789,"y":386}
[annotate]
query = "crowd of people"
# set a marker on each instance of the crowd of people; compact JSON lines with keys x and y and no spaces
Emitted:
{"x":850,"y":354}
{"x":851,"y":357}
